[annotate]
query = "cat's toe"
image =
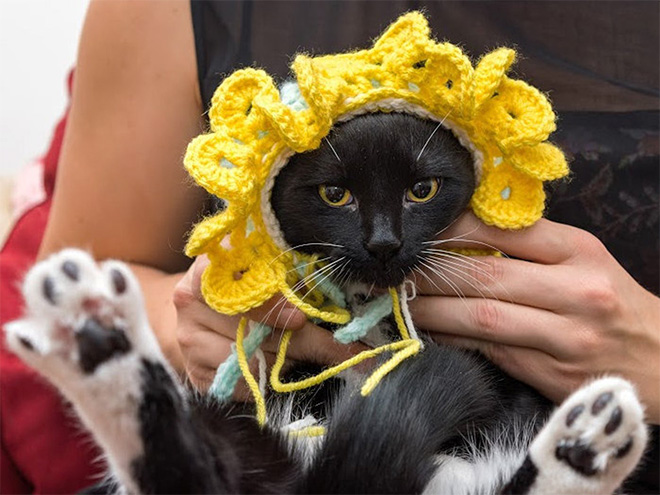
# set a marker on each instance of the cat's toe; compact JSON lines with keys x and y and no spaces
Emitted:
{"x":598,"y":434}
{"x":82,"y":313}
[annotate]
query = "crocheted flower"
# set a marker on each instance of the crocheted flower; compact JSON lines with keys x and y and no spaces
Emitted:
{"x":255,"y":128}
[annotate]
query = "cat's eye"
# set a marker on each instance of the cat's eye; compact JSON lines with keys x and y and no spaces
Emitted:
{"x":335,"y":195}
{"x":423,"y":190}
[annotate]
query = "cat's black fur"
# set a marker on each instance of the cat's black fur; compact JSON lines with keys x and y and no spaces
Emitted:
{"x":443,"y":405}
{"x":376,"y":157}
{"x":437,"y":402}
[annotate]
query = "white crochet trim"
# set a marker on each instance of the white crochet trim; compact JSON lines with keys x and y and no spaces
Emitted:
{"x":393,"y":104}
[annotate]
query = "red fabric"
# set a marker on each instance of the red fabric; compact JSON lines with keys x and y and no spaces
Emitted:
{"x":44,"y":449}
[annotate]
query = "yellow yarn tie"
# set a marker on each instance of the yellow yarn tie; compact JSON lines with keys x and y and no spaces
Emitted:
{"x":406,"y":347}
{"x":310,"y":431}
{"x":331,"y":314}
{"x":398,"y":317}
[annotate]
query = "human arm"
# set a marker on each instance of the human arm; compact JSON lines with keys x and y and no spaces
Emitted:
{"x":205,"y":336}
{"x":121,"y":189}
{"x":563,"y":311}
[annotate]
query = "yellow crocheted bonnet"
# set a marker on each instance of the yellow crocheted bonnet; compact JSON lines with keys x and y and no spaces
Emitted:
{"x":504,"y":122}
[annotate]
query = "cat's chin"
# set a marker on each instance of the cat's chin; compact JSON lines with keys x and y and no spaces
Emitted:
{"x":381,"y":281}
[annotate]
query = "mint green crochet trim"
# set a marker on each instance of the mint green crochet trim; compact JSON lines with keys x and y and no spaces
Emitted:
{"x":358,"y":327}
{"x":228,"y":373}
{"x":291,"y":96}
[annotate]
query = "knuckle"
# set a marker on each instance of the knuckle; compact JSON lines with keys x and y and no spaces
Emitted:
{"x":487,"y":271}
{"x":184,"y":337}
{"x":586,"y":244}
{"x":586,"y":343}
{"x":571,"y":375}
{"x":600,"y":293}
{"x":497,"y":353}
{"x":487,"y":317}
{"x":182,"y":298}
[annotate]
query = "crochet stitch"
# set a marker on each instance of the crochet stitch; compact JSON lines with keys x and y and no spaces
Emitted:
{"x":505,"y":123}
{"x":256,"y":128}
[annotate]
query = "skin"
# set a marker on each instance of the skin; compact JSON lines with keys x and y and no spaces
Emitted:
{"x":563,"y":312}
{"x":122,"y":193}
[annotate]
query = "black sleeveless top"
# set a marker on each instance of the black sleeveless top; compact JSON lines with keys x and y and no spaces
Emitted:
{"x":598,"y":61}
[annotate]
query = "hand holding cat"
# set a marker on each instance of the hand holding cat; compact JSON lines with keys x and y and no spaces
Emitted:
{"x":205,"y":337}
{"x":563,"y":311}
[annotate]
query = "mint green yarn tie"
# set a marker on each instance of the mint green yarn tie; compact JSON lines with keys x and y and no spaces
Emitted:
{"x":359,"y":326}
{"x":228,"y":373}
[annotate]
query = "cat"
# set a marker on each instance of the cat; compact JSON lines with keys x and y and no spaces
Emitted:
{"x":377,"y":191}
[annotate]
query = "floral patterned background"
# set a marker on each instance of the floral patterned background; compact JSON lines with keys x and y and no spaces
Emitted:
{"x":613,"y":188}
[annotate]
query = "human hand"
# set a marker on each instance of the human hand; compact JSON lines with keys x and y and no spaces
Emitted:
{"x":563,"y":312}
{"x":205,"y":336}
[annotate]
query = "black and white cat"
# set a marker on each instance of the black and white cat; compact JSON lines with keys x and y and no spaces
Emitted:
{"x":445,"y":421}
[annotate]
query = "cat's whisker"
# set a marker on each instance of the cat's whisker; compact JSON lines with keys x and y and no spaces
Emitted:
{"x":453,"y":286}
{"x":469,"y":262}
{"x":464,"y":276}
{"x":307,"y":244}
{"x":340,"y":268}
{"x":303,"y":265}
{"x":472,"y":260}
{"x":460,"y":263}
{"x":297,"y":286}
{"x":332,"y":148}
{"x":449,"y":282}
{"x":508,"y":297}
{"x":432,"y":134}
{"x":302,"y":299}
{"x":445,"y":228}
{"x":309,"y":278}
{"x":455,"y":238}
{"x":433,"y":283}
{"x":371,"y":290}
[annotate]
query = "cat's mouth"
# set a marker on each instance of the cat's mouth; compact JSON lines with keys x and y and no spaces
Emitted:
{"x":382,"y":275}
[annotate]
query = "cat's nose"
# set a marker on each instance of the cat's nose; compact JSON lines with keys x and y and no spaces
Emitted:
{"x":383,"y":248}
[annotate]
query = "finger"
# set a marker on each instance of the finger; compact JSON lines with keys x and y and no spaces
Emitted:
{"x":493,"y":321}
{"x":315,"y":344}
{"x":194,"y":275}
{"x":202,"y":377}
{"x":544,"y":242}
{"x":495,"y":278}
{"x":279,"y":313}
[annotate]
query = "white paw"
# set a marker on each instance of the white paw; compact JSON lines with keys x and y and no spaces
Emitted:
{"x":79,"y":315}
{"x":594,"y":440}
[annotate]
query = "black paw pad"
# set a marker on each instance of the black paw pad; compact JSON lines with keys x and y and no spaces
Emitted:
{"x":615,"y":421}
{"x":48,"y":290}
{"x":601,"y":401}
{"x":71,"y":270}
{"x":97,"y":344}
{"x":574,"y":414}
{"x":579,"y":456}
{"x":26,"y":343}
{"x":118,"y":281}
{"x":623,"y":451}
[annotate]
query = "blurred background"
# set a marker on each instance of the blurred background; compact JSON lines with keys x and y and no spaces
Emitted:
{"x":38,"y":44}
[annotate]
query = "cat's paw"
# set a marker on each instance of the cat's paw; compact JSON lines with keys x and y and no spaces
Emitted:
{"x":593,"y":441}
{"x":79,"y":316}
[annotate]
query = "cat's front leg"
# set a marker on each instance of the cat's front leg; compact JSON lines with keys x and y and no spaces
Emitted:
{"x":589,"y":446}
{"x":86,"y":331}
